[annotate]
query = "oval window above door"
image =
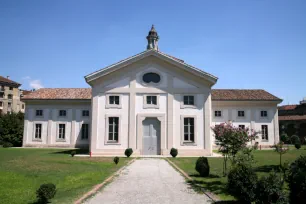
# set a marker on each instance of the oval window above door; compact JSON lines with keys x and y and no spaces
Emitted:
{"x":151,"y":78}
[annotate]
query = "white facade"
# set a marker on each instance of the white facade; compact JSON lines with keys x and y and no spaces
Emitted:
{"x":123,"y":104}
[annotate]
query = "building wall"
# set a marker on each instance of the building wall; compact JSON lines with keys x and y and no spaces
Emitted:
{"x":50,"y":121}
{"x":16,"y":104}
{"x":252,"y":118}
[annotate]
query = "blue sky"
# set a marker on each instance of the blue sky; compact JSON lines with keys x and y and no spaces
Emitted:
{"x":250,"y":44}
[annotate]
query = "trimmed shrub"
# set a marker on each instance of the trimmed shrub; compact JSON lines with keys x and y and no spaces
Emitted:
{"x":297,"y":180}
{"x":72,"y":153}
{"x":11,"y":129}
{"x":45,"y":192}
{"x":295,"y":139}
{"x":297,"y":144}
{"x":116,"y":160}
{"x":173,"y":152}
{"x":285,"y":138}
{"x":128,"y":152}
{"x":269,"y":190}
{"x":242,"y":182}
{"x":202,"y":166}
{"x":7,"y":144}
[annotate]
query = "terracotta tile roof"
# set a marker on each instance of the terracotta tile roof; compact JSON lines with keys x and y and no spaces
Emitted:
{"x":8,"y":81}
{"x":242,"y":95}
{"x":292,"y":117}
{"x":287,"y":107}
{"x":217,"y":94}
{"x":59,"y":94}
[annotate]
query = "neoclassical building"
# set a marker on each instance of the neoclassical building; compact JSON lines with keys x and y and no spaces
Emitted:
{"x":150,"y":102}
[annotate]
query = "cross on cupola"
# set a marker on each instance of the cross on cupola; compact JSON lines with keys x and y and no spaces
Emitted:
{"x":152,"y":39}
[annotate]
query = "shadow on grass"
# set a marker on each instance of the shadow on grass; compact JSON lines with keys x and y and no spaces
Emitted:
{"x":78,"y":151}
{"x":210,"y":176}
{"x":267,"y":168}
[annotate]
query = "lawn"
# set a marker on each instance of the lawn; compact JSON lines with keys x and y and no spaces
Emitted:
{"x":22,"y":171}
{"x":266,"y":160}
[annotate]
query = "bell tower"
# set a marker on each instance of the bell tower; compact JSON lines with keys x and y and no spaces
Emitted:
{"x":152,"y":39}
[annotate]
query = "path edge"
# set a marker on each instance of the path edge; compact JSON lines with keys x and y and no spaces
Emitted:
{"x":97,"y":187}
{"x":211,"y":195}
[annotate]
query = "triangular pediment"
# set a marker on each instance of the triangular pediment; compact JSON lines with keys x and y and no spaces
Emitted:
{"x":167,"y":58}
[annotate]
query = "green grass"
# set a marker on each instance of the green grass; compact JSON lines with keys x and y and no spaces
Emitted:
{"x":22,"y":171}
{"x":266,"y":161}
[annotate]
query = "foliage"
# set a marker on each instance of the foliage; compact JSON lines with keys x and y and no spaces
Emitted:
{"x":244,"y":157}
{"x":290,"y":130}
{"x":285,"y":138}
{"x":7,"y":144}
{"x":202,"y":166}
{"x":45,"y":192}
{"x":11,"y":129}
{"x":297,"y":144}
{"x":230,"y":140}
{"x":173,"y":152}
{"x":116,"y":160}
{"x":297,"y":180}
{"x":242,"y":181}
{"x":280,"y":149}
{"x":270,"y":190}
{"x":72,"y":153}
{"x":294,"y":139}
{"x":128,"y":152}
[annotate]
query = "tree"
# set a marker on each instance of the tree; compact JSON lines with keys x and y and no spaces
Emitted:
{"x":230,"y":140}
{"x":11,"y":129}
{"x":281,"y":149}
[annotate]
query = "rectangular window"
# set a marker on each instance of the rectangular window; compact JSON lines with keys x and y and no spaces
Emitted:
{"x":1,"y":94}
{"x":263,"y":113}
{"x":85,"y":113}
{"x":11,"y":88}
{"x":188,"y":100}
{"x":38,"y":131}
{"x":62,"y":113}
{"x":61,"y":131}
{"x":114,"y":100}
{"x":9,"y":105}
{"x":242,"y":127}
{"x":240,"y":113}
{"x":39,"y":112}
{"x":85,"y":131}
{"x":1,"y":104}
{"x":189,"y":129}
{"x":152,"y":100}
{"x":22,"y":106}
{"x":264,"y":132}
{"x":10,"y":96}
{"x":113,"y":129}
{"x":218,"y":114}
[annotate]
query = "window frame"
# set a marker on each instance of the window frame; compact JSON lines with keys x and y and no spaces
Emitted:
{"x":264,"y":116}
{"x":242,"y":127}
{"x":59,"y":113}
{"x":108,"y":105}
{"x":183,"y":141}
{"x":106,"y":138}
{"x":85,"y":111}
{"x":10,"y":96}
{"x":34,"y":132}
{"x":221,"y":115}
{"x":58,"y":139}
{"x":243,"y":116}
{"x":266,"y":139}
{"x":145,"y":103}
{"x":88,"y":131}
{"x":151,"y":83}
{"x":42,"y":112}
{"x":186,"y":105}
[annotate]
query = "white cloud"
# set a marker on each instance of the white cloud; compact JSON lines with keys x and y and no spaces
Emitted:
{"x":33,"y":83}
{"x":36,"y":84}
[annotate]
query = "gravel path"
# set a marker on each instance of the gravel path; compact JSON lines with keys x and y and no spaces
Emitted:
{"x":148,"y":181}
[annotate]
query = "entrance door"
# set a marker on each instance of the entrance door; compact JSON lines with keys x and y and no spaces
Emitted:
{"x":151,"y":136}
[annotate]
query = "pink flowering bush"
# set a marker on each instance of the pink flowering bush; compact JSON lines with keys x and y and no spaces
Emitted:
{"x":231,"y":140}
